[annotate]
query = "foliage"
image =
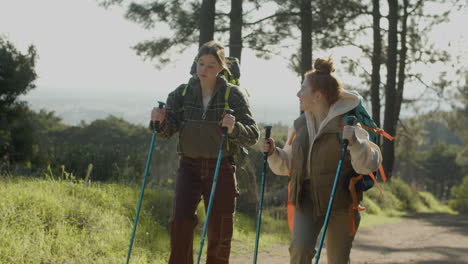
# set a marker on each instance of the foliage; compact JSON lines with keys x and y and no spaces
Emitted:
{"x":410,"y":200}
{"x":17,"y":76}
{"x":442,"y":170}
{"x":460,"y":196}
{"x":429,"y":154}
{"x":386,"y":201}
{"x":17,"y":73}
{"x":432,"y":203}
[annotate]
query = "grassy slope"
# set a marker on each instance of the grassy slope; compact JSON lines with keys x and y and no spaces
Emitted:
{"x":47,"y":221}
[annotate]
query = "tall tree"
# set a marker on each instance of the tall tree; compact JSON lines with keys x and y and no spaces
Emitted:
{"x":376,"y":62}
{"x":402,"y":59}
{"x":390,"y":88}
{"x":400,"y":45}
{"x":318,"y":22}
{"x":207,"y":21}
{"x":306,"y":36}
{"x":235,"y":31}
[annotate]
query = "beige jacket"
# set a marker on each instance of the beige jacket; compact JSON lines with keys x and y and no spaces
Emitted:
{"x":314,"y":155}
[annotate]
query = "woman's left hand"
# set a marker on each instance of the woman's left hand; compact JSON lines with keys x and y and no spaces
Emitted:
{"x":349,"y":133}
{"x":228,"y":121}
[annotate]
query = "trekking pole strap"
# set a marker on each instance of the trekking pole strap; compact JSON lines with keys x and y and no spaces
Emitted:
{"x":155,"y":125}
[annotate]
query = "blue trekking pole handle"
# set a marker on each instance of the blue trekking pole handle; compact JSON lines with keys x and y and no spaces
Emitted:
{"x":154,"y":125}
{"x":350,"y":120}
{"x":260,"y":202}
{"x":213,"y":188}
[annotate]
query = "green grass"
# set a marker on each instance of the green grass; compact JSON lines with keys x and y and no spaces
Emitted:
{"x":398,"y":199}
{"x":59,"y":221}
{"x":43,"y":221}
{"x":64,"y":221}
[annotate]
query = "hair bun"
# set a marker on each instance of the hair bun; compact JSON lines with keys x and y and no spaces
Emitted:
{"x":324,"y":65}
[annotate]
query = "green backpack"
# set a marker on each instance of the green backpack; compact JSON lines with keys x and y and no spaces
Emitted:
{"x":357,"y":183}
{"x":366,"y":122}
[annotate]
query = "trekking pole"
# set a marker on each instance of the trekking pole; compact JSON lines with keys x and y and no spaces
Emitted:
{"x":213,"y":187}
{"x":154,"y":126}
{"x":349,"y":121}
{"x":260,"y":202}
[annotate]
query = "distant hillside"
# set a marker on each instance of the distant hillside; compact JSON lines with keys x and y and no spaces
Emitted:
{"x":133,"y":108}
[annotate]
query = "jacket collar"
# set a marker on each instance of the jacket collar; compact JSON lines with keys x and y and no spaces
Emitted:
{"x":195,"y":84}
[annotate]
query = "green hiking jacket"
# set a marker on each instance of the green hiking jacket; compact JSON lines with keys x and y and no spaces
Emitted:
{"x":199,"y":130}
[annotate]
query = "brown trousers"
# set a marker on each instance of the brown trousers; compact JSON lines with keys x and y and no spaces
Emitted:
{"x":194,"y":180}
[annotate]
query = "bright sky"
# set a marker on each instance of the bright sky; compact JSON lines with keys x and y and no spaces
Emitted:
{"x":85,"y":62}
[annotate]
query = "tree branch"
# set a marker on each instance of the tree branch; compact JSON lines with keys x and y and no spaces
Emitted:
{"x":418,"y":4}
{"x":272,"y":16}
{"x":222,"y":14}
{"x":365,"y":71}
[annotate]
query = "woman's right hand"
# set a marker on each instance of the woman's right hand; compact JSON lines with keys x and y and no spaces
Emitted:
{"x":158,"y":114}
{"x":267,"y":146}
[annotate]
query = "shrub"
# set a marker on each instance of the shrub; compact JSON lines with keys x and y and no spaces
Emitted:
{"x":371,"y":206}
{"x":409,"y":198}
{"x":460,"y":197}
{"x":387,"y":201}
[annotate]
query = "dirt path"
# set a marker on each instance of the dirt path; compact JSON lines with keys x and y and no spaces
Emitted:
{"x":423,"y":239}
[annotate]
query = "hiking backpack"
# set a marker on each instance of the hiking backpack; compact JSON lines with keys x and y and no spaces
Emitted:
{"x":366,"y":122}
{"x":357,"y":183}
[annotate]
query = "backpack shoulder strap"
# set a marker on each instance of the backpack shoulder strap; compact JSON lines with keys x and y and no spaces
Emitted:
{"x":185,"y":90}
{"x":226,"y":96}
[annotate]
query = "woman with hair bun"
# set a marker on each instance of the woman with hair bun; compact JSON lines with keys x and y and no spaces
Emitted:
{"x":310,"y":158}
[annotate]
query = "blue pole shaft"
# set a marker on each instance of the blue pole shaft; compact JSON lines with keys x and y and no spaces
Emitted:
{"x":142,"y":192}
{"x":210,"y":203}
{"x":260,"y":206}
{"x":330,"y":203}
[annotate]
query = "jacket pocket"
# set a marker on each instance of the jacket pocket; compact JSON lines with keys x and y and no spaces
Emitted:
{"x":342,"y":198}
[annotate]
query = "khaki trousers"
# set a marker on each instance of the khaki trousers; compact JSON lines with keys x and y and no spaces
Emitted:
{"x":307,"y":227}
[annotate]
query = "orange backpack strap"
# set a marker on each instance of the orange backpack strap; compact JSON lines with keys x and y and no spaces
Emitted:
{"x":378,"y":131}
{"x":382,"y":173}
{"x":376,"y":183}
{"x":290,"y":211}
{"x":293,"y":136}
{"x":290,"y":206}
{"x":355,"y":206}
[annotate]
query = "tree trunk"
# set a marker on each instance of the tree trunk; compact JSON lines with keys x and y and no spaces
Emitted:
{"x":207,"y":21}
{"x":376,"y":62}
{"x":402,"y":60}
{"x":306,"y":36}
{"x":390,"y":89}
{"x":235,"y":30}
